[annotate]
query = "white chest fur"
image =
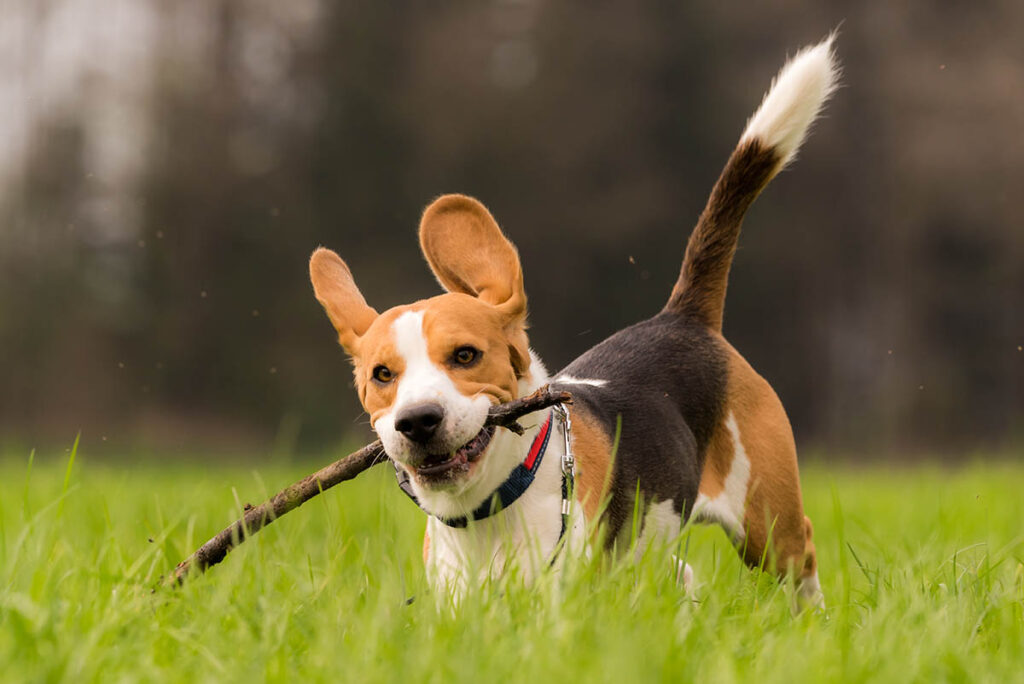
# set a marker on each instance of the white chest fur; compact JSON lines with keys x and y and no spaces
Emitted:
{"x":522,"y":538}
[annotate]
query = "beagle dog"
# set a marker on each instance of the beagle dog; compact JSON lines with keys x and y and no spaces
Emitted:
{"x":667,"y":418}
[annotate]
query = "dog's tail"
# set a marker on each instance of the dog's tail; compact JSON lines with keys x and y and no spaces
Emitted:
{"x":769,"y":143}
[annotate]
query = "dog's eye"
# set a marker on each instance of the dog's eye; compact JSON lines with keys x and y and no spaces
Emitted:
{"x":383,"y":374}
{"x":464,"y":356}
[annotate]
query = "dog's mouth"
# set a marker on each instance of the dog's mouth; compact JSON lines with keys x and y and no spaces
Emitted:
{"x":437,"y":466}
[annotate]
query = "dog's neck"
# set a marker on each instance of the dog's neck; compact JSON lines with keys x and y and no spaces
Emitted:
{"x":533,"y":521}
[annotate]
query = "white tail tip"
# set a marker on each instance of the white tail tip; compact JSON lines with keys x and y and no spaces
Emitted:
{"x":794,"y":100}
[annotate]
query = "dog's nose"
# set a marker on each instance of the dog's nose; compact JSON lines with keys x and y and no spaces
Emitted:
{"x":419,"y":423}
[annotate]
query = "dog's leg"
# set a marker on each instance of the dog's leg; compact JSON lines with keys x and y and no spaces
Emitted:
{"x":779,"y":539}
{"x":751,"y":485}
{"x":662,"y":523}
{"x":808,"y":587}
{"x":777,"y":535}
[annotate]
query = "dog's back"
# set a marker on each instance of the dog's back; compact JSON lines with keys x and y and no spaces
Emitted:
{"x":658,"y":388}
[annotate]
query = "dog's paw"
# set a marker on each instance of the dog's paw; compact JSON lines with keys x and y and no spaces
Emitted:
{"x":684,"y":574}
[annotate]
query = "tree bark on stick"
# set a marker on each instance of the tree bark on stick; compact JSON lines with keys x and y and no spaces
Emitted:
{"x":258,"y":517}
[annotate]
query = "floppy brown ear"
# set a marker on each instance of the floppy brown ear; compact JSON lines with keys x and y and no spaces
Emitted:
{"x":468,"y":253}
{"x":337,"y":292}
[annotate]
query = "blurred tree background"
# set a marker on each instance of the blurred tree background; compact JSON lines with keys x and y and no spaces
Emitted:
{"x":166,"y":168}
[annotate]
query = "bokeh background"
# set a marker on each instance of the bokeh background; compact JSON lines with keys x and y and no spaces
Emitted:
{"x":166,"y":168}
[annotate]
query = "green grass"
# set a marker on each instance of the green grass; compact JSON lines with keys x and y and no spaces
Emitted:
{"x":922,"y":569}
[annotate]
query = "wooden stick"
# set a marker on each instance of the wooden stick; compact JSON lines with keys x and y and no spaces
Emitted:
{"x":258,"y":517}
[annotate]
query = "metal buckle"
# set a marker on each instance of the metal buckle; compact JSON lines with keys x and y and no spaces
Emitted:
{"x":568,"y":460}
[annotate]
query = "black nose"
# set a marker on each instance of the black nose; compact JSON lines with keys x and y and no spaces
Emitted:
{"x":420,"y":422}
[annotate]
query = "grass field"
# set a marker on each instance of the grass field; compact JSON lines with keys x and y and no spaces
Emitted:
{"x":922,"y":569}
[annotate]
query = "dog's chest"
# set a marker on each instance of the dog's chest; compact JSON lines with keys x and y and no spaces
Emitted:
{"x":523,"y":536}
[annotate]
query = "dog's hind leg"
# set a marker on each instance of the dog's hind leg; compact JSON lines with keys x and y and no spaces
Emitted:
{"x":778,"y":536}
{"x":751,"y":485}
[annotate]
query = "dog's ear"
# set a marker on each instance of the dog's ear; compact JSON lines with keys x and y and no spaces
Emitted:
{"x":468,"y":253}
{"x":337,"y":292}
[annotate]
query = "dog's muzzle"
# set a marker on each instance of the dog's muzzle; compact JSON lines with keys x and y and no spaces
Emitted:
{"x":419,"y":423}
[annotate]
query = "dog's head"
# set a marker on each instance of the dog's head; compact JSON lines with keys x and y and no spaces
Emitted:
{"x":428,"y":372}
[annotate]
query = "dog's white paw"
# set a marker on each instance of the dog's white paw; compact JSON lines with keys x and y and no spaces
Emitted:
{"x":684,"y":574}
{"x":809,"y":595}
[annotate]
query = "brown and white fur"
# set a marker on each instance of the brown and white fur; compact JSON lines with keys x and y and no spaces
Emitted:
{"x":701,"y":434}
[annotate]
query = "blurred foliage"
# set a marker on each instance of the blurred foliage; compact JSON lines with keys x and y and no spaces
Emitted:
{"x":165,"y":300}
